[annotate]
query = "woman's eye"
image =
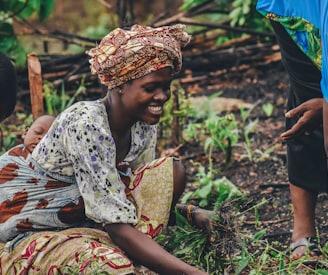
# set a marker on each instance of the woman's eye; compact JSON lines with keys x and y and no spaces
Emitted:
{"x":153,"y":89}
{"x":150,"y":89}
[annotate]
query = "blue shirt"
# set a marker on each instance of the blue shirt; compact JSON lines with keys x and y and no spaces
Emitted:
{"x":314,"y":11}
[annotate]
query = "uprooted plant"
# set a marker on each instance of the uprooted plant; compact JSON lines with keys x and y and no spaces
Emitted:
{"x":210,"y":253}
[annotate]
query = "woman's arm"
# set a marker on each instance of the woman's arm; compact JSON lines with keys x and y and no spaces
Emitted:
{"x":147,"y":252}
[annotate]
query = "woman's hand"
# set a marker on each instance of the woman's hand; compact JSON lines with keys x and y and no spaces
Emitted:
{"x":202,"y":219}
{"x":310,"y":116}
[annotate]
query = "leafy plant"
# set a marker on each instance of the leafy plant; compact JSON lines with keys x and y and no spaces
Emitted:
{"x":213,"y":130}
{"x":57,"y":103}
{"x":195,"y":247}
{"x":247,"y":129}
{"x":19,"y":10}
{"x":223,"y":134}
{"x":239,"y":13}
{"x":243,"y":14}
{"x":176,"y":109}
{"x":211,"y":191}
{"x":227,"y":251}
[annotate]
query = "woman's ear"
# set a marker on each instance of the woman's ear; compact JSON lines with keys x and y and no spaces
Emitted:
{"x":25,"y":132}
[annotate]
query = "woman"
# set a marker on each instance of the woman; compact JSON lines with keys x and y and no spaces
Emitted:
{"x":96,"y":167}
{"x":301,"y":31}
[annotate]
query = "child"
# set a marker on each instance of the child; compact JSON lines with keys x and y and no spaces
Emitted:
{"x":32,"y":136}
{"x":36,"y":131}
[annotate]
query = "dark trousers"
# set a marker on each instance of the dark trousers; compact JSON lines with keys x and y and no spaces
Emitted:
{"x":306,"y":157}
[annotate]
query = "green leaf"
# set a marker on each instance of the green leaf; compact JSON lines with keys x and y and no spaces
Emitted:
{"x":6,"y":29}
{"x":281,"y":262}
{"x":241,"y":21}
{"x":204,"y":191}
{"x":20,"y":54}
{"x":234,"y":14}
{"x":28,"y":8}
{"x":226,"y":189}
{"x":243,"y":263}
{"x":7,"y":43}
{"x":180,"y":219}
{"x":237,"y":3}
{"x":46,"y":8}
{"x":186,"y":197}
{"x":260,"y":234}
{"x":188,"y":4}
{"x":208,"y":143}
{"x":9,"y":140}
{"x":267,"y":109}
{"x":246,"y":8}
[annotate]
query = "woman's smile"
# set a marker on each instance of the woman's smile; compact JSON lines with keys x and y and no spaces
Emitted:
{"x":156,"y":109}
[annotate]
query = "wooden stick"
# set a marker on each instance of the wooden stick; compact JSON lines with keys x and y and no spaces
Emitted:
{"x":35,"y":81}
{"x":269,"y":222}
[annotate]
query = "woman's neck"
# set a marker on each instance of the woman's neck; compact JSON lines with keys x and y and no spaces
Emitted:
{"x":118,"y":121}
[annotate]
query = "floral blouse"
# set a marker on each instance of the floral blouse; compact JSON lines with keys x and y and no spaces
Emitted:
{"x":80,"y":145}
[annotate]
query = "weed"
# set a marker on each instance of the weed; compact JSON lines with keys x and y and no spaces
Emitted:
{"x":213,"y":131}
{"x":268,"y":109}
{"x":210,"y":191}
{"x":176,"y":113}
{"x":195,"y":247}
{"x":248,"y":129}
{"x":57,"y":103}
{"x":232,"y":251}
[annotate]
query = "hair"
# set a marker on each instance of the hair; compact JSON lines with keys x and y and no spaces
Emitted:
{"x":8,"y":84}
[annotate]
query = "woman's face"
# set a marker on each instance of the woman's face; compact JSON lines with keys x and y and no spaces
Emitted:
{"x":143,"y":98}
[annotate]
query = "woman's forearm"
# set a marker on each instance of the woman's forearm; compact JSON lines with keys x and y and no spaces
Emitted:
{"x":147,"y":252}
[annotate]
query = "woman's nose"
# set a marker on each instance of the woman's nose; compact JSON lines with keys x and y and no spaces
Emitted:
{"x":163,"y":95}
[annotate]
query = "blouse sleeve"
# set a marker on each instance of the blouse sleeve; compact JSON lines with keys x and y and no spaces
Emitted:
{"x":90,"y":146}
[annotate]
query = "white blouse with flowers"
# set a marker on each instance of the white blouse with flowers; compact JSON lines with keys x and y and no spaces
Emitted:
{"x":80,"y":144}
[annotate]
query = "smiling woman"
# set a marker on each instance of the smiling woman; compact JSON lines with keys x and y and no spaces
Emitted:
{"x":99,"y":197}
{"x":141,"y":99}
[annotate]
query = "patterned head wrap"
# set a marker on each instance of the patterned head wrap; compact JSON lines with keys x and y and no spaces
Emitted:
{"x":123,"y":55}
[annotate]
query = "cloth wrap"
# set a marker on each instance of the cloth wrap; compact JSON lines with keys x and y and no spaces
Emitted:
{"x":124,"y":55}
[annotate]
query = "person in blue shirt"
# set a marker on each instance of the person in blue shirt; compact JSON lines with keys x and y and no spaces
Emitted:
{"x":301,"y":32}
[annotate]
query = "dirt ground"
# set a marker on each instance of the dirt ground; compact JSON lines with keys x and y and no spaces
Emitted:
{"x":266,"y":179}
